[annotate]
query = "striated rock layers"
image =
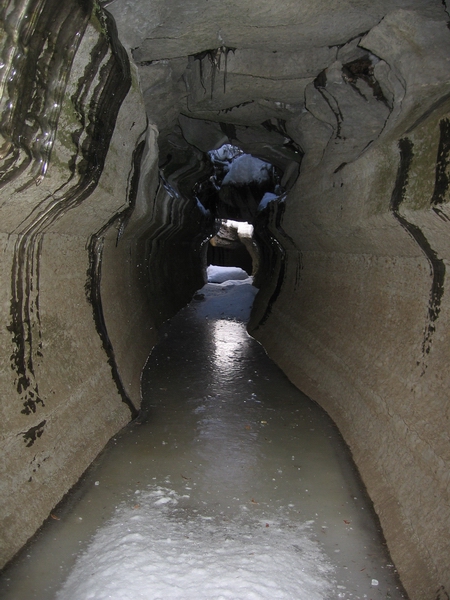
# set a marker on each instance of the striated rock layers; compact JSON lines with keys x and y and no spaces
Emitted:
{"x":78,"y":312}
{"x":108,"y":197}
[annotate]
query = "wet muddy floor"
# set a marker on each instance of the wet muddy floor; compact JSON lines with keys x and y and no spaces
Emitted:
{"x":234,"y":485}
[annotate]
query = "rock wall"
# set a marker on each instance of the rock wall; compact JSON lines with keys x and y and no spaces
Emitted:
{"x":359,"y":319}
{"x":65,"y":176}
{"x":97,"y":251}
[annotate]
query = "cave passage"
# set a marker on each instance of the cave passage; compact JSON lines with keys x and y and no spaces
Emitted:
{"x":128,"y":134}
{"x":233,"y":484}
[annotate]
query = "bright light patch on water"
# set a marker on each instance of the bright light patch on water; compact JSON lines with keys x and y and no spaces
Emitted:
{"x":227,"y":338}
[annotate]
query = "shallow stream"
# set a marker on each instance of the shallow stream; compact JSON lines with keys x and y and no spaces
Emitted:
{"x":234,"y":486}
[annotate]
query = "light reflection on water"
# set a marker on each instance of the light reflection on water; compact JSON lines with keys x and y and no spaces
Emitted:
{"x":229,"y":344}
{"x":221,"y":430}
{"x":259,"y":444}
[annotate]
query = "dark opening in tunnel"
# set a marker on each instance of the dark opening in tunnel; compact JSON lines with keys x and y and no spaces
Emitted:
{"x":230,"y":257}
{"x":222,"y":187}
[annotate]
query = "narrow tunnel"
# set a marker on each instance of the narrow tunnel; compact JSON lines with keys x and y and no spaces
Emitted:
{"x":109,"y":194}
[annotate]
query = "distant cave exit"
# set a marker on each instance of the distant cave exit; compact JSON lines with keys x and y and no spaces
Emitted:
{"x":230,"y":257}
{"x":237,"y":188}
{"x":233,"y":246}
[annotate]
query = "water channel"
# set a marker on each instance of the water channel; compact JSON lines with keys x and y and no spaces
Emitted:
{"x":233,"y":485}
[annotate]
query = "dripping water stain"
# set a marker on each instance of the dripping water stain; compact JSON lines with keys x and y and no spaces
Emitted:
{"x":437,"y":265}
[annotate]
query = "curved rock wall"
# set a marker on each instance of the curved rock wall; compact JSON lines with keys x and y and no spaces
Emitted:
{"x":98,"y":250}
{"x":359,"y":320}
{"x":65,"y":176}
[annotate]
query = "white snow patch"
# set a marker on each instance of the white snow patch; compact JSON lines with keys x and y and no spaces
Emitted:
{"x":245,"y":169}
{"x":169,"y":553}
{"x":216,"y":274}
{"x":227,"y":152}
{"x":228,"y":294}
{"x":243,"y":228}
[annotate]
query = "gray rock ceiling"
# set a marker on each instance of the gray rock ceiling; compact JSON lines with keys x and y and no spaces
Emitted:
{"x":279,"y":78}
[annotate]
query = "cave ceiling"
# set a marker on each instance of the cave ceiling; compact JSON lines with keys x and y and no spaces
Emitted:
{"x":278,"y":79}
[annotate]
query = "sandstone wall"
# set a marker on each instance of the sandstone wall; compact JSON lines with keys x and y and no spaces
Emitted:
{"x":65,"y":181}
{"x":97,"y":251}
{"x":359,"y":316}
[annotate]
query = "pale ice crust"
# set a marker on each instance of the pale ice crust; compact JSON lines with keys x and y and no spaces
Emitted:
{"x":156,"y":548}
